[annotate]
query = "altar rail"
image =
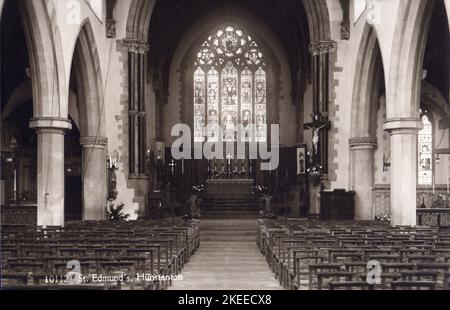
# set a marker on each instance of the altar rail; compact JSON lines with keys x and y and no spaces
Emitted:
{"x":433,"y":217}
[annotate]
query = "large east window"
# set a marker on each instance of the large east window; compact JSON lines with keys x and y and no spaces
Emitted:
{"x":230,"y":88}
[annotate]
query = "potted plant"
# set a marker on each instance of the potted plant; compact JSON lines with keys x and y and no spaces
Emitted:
{"x":115,"y":213}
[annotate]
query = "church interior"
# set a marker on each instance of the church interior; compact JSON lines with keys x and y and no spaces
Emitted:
{"x":225,"y":145}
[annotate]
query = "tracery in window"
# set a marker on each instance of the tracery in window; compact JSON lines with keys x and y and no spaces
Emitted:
{"x":236,"y":87}
{"x":199,"y":104}
{"x":425,"y":152}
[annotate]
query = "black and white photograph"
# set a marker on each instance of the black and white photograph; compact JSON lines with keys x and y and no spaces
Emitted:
{"x":254,"y":148}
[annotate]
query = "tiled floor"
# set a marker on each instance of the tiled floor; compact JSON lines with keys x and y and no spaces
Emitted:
{"x":228,"y":259}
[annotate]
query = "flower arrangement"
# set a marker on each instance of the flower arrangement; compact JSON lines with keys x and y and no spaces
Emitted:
{"x":383,"y":218}
{"x":315,"y":174}
{"x":218,"y":174}
{"x":115,"y":213}
{"x":199,"y":188}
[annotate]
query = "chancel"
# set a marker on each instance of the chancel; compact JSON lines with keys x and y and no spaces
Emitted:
{"x":228,"y":145}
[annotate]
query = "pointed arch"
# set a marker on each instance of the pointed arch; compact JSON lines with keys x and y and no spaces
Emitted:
{"x":369,"y":76}
{"x":45,"y":72}
{"x":89,"y":88}
{"x":318,"y":20}
{"x":318,"y":16}
{"x":139,"y":19}
{"x":405,"y":75}
{"x":431,"y":96}
{"x":367,"y":89}
{"x":2,"y":3}
{"x":87,"y":72}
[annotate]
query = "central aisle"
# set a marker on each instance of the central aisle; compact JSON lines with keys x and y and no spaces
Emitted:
{"x":227,"y":259}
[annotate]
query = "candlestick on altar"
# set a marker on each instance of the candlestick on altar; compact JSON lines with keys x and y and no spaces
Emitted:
{"x":448,"y":185}
{"x":15,"y":185}
{"x":433,"y":184}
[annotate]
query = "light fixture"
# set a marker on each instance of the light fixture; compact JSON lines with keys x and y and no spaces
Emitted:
{"x":438,"y":159}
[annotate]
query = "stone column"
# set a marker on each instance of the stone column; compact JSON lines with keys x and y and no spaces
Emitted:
{"x":362,"y":149}
{"x":320,"y":58}
{"x":94,"y":177}
{"x":50,"y":169}
{"x":403,"y":169}
{"x":137,"y":130}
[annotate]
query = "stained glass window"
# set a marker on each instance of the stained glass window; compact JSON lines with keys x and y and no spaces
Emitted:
{"x":246,"y":103}
{"x":213,"y":105}
{"x":425,"y":145}
{"x":260,"y":105}
{"x":199,"y":104}
{"x":235,"y":89}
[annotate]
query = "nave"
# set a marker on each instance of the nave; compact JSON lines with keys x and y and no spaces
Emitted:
{"x":226,"y":254}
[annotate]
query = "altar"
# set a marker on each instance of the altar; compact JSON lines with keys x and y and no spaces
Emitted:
{"x":230,"y":188}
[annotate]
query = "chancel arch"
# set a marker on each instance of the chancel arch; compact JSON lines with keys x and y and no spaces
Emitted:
{"x":258,"y":68}
{"x":299,"y":60}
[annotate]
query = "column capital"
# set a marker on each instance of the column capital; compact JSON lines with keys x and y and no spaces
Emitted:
{"x":50,"y":123}
{"x":94,"y":142}
{"x":407,"y":125}
{"x":136,"y":46}
{"x":322,"y":47}
{"x":359,"y":143}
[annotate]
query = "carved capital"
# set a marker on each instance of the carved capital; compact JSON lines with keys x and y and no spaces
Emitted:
{"x":363,"y":142}
{"x":322,"y":47}
{"x":94,"y":142}
{"x":110,"y":28}
{"x":136,"y":46}
{"x":345,"y":30}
